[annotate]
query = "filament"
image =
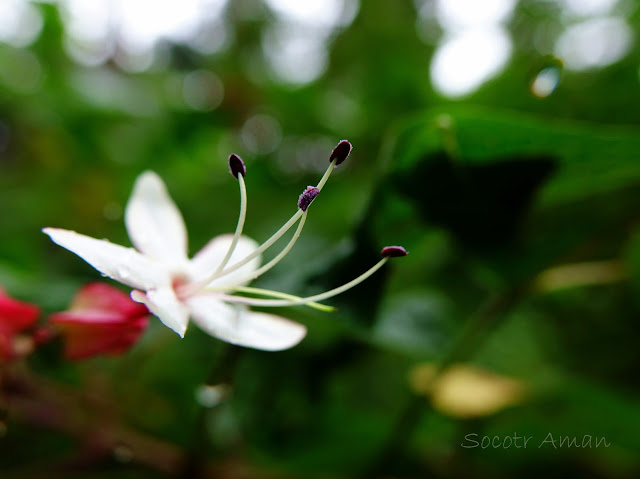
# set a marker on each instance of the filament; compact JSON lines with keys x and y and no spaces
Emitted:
{"x":308,"y":299}
{"x":239,"y":227}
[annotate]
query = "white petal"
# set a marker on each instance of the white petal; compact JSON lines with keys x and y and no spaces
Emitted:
{"x":239,"y":325}
{"x":164,"y":303}
{"x":205,"y":262}
{"x":154,"y":223}
{"x":117,"y":262}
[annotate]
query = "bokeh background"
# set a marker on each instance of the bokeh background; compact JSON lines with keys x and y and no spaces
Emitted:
{"x":497,"y":140}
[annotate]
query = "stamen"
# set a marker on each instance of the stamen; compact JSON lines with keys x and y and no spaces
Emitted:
{"x":341,"y":152}
{"x":236,"y":166}
{"x":393,"y":252}
{"x":277,"y":235}
{"x":338,"y":155}
{"x":316,"y":297}
{"x":307,"y":197}
{"x":274,"y":261}
{"x":326,"y":175}
{"x":278,"y":294}
{"x":238,"y":170}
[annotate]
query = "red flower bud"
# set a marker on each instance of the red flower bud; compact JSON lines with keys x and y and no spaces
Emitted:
{"x":102,"y":320}
{"x":15,"y":316}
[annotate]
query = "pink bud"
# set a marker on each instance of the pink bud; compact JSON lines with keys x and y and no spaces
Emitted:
{"x":15,"y":316}
{"x":102,"y":320}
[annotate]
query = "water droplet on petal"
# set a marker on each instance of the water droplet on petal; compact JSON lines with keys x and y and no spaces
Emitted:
{"x":123,"y":272}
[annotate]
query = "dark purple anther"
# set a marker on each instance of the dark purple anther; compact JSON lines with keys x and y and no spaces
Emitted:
{"x":236,"y":166}
{"x":340,"y":152}
{"x":394,"y":251}
{"x":307,"y":197}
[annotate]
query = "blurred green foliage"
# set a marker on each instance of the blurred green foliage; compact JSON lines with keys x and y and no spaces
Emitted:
{"x":487,"y":193}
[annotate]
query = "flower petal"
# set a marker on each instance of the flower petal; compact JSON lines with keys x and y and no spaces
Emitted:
{"x":205,"y":262}
{"x":153,"y":221}
{"x":239,"y":325}
{"x":117,"y":262}
{"x":164,"y":303}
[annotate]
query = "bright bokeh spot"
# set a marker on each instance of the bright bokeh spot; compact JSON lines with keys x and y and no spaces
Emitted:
{"x":296,"y":47}
{"x":453,"y":14}
{"x":20,"y":22}
{"x":475,"y":46}
{"x":594,"y":43}
{"x":143,"y":22}
{"x":466,"y":60}
{"x":545,"y":82}
{"x":88,"y":25}
{"x":589,"y":7}
{"x":94,"y":26}
{"x":314,"y":12}
{"x":295,"y":55}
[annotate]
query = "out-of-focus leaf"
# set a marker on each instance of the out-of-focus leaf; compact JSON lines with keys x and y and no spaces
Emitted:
{"x":589,"y":159}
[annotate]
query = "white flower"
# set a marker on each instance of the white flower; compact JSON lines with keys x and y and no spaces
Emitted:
{"x":161,"y":272}
{"x":175,"y":287}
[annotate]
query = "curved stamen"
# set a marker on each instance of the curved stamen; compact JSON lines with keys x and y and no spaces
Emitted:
{"x":341,"y":152}
{"x":240,"y":225}
{"x":316,"y":297}
{"x":327,"y":174}
{"x":278,"y":294}
{"x":275,"y":237}
{"x":274,"y":261}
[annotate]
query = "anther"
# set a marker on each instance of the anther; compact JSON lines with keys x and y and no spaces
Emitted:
{"x":307,"y":197}
{"x":393,"y":251}
{"x":236,"y":166}
{"x":340,"y":152}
